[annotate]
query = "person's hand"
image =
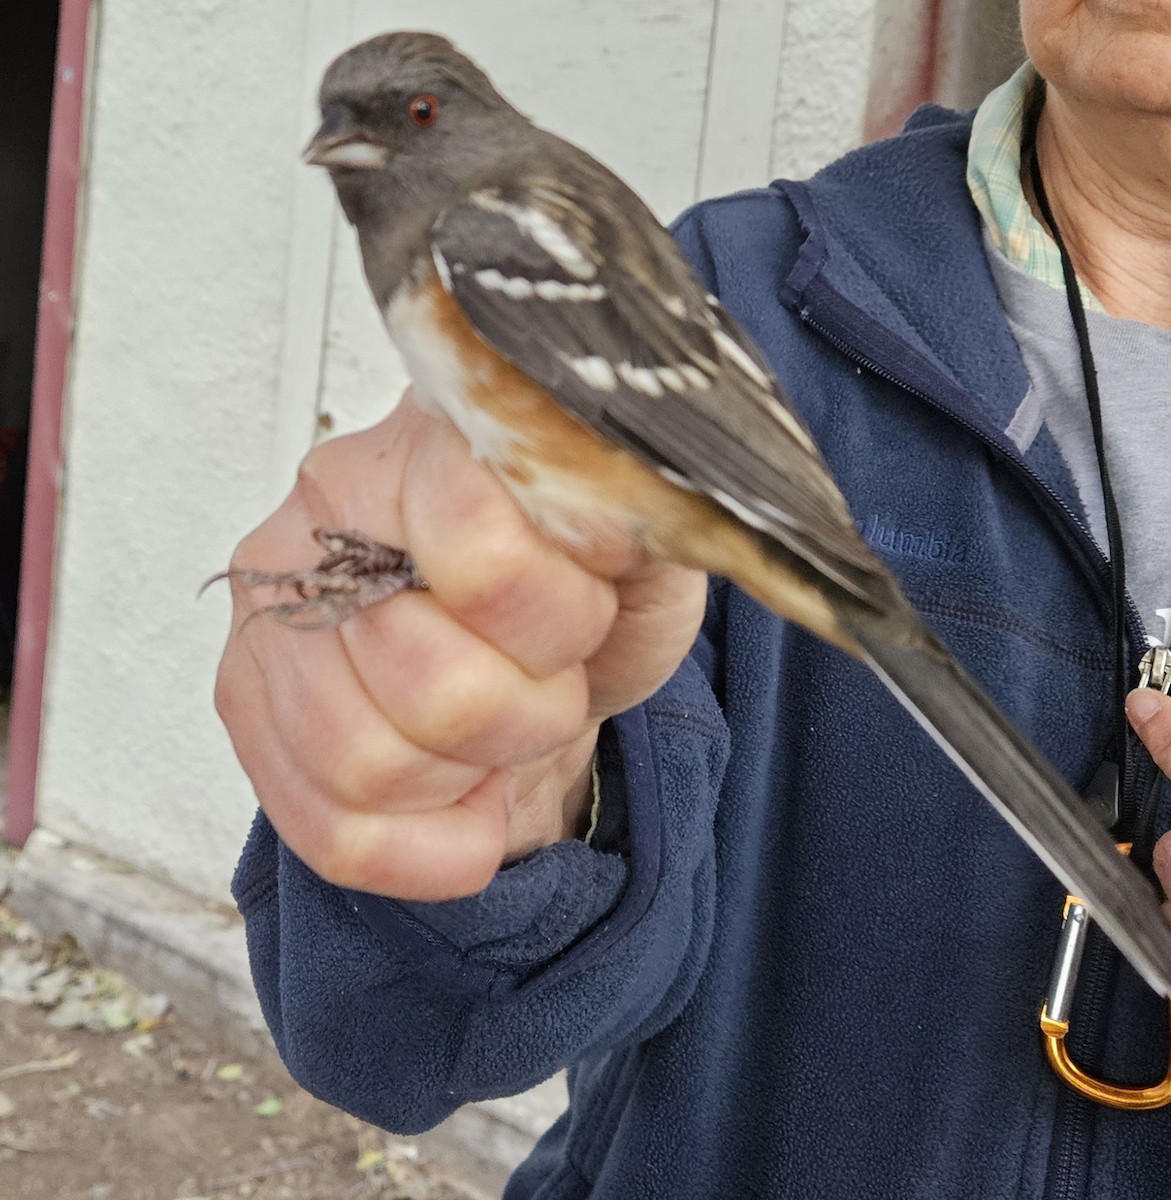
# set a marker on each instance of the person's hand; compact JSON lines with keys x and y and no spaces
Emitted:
{"x":439,"y":733}
{"x":1150,"y":715}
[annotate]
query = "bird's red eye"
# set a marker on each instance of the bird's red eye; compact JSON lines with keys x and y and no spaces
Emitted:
{"x":424,"y":110}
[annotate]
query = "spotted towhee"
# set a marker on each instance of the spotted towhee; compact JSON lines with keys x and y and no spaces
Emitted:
{"x":544,"y":310}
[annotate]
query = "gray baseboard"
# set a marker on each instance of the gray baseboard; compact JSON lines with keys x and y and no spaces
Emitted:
{"x":163,"y":939}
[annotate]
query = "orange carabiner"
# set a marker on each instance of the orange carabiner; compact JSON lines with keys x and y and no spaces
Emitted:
{"x":1055,"y":1021}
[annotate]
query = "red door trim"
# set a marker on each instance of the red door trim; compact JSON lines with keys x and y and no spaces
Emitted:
{"x":54,"y":336}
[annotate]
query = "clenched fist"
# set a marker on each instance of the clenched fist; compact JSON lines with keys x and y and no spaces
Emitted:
{"x":428,"y":738}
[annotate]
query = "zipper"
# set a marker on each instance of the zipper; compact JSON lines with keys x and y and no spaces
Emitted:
{"x":1068,"y":1164}
{"x":1074,"y":1115}
{"x":1070,"y":1150}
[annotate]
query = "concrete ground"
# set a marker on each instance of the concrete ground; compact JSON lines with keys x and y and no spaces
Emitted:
{"x":107,"y":1095}
{"x":163,"y":940}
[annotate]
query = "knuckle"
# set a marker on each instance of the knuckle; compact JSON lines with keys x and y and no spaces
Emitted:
{"x":319,"y":465}
{"x":232,"y":695}
{"x":565,"y":702}
{"x":363,"y":773}
{"x":458,"y":705}
{"x":545,"y":615}
{"x":501,"y":724}
{"x":478,"y":872}
{"x":224,"y":697}
{"x":492,"y":573}
{"x":346,"y":863}
{"x":329,"y":475}
{"x":245,"y":556}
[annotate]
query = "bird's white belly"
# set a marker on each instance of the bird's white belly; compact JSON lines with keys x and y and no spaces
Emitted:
{"x":553,"y":500}
{"x":440,"y":378}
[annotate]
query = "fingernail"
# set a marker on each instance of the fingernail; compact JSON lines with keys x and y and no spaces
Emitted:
{"x":1142,"y":705}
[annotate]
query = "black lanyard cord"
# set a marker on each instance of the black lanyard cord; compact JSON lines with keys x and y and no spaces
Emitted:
{"x":1113,"y":525}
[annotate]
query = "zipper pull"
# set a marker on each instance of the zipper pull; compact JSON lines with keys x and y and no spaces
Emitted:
{"x":1102,"y":795}
{"x":1154,"y":669}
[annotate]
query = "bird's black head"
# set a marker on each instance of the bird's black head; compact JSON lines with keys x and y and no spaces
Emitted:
{"x":409,"y":126}
{"x":408,"y":123}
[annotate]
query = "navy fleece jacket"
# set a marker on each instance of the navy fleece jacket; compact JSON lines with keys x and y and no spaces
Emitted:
{"x":803,"y":958}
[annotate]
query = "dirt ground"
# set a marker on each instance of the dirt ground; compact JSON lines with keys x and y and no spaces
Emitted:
{"x":104,"y":1095}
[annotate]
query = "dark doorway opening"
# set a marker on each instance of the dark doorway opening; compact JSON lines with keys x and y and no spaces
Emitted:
{"x":28,"y":41}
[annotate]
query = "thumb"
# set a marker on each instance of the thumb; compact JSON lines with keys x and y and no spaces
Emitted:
{"x":1150,"y":715}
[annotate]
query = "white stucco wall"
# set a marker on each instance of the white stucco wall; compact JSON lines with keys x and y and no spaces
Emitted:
{"x":221,"y":309}
{"x":182,"y":291}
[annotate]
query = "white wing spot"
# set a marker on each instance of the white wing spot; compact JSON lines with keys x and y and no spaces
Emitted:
{"x":741,"y":510}
{"x":750,"y":516}
{"x":794,"y":426}
{"x":515,"y":288}
{"x":675,"y":306}
{"x":677,"y":479}
{"x":441,"y":267}
{"x":671,"y":378}
{"x":695,"y":377}
{"x":554,"y":289}
{"x":652,"y":380}
{"x":741,"y":358}
{"x":593,"y":370}
{"x":642,"y":379}
{"x":542,"y":229}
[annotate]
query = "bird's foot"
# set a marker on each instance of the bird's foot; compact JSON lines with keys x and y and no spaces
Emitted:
{"x":354,"y":573}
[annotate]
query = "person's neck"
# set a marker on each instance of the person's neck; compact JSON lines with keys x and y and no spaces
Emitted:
{"x":1108,"y":179}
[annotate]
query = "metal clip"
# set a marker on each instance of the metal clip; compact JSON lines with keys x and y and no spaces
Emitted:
{"x":1055,"y":1015}
{"x":1155,"y":666}
{"x":1155,"y":669}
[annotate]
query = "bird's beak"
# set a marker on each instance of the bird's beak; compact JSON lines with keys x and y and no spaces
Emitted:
{"x":342,"y":145}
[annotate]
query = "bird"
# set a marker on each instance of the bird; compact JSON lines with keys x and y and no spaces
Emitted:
{"x":541,"y":307}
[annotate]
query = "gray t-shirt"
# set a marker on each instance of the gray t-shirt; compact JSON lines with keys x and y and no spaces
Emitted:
{"x":1133,"y":363}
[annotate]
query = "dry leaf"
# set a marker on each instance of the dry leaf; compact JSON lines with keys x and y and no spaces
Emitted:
{"x":270,"y":1106}
{"x":139,"y":1045}
{"x":369,"y":1160}
{"x":73,"y":1013}
{"x":116,"y":1016}
{"x":49,"y":988}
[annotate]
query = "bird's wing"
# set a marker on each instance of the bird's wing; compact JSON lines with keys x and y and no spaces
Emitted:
{"x":621,"y":333}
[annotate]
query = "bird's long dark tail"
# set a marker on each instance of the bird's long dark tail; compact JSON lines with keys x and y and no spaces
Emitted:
{"x":1023,"y":786}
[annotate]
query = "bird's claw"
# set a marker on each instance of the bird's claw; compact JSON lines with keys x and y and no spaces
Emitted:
{"x":354,"y":573}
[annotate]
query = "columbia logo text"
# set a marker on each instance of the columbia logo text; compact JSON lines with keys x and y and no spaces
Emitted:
{"x":915,"y":543}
